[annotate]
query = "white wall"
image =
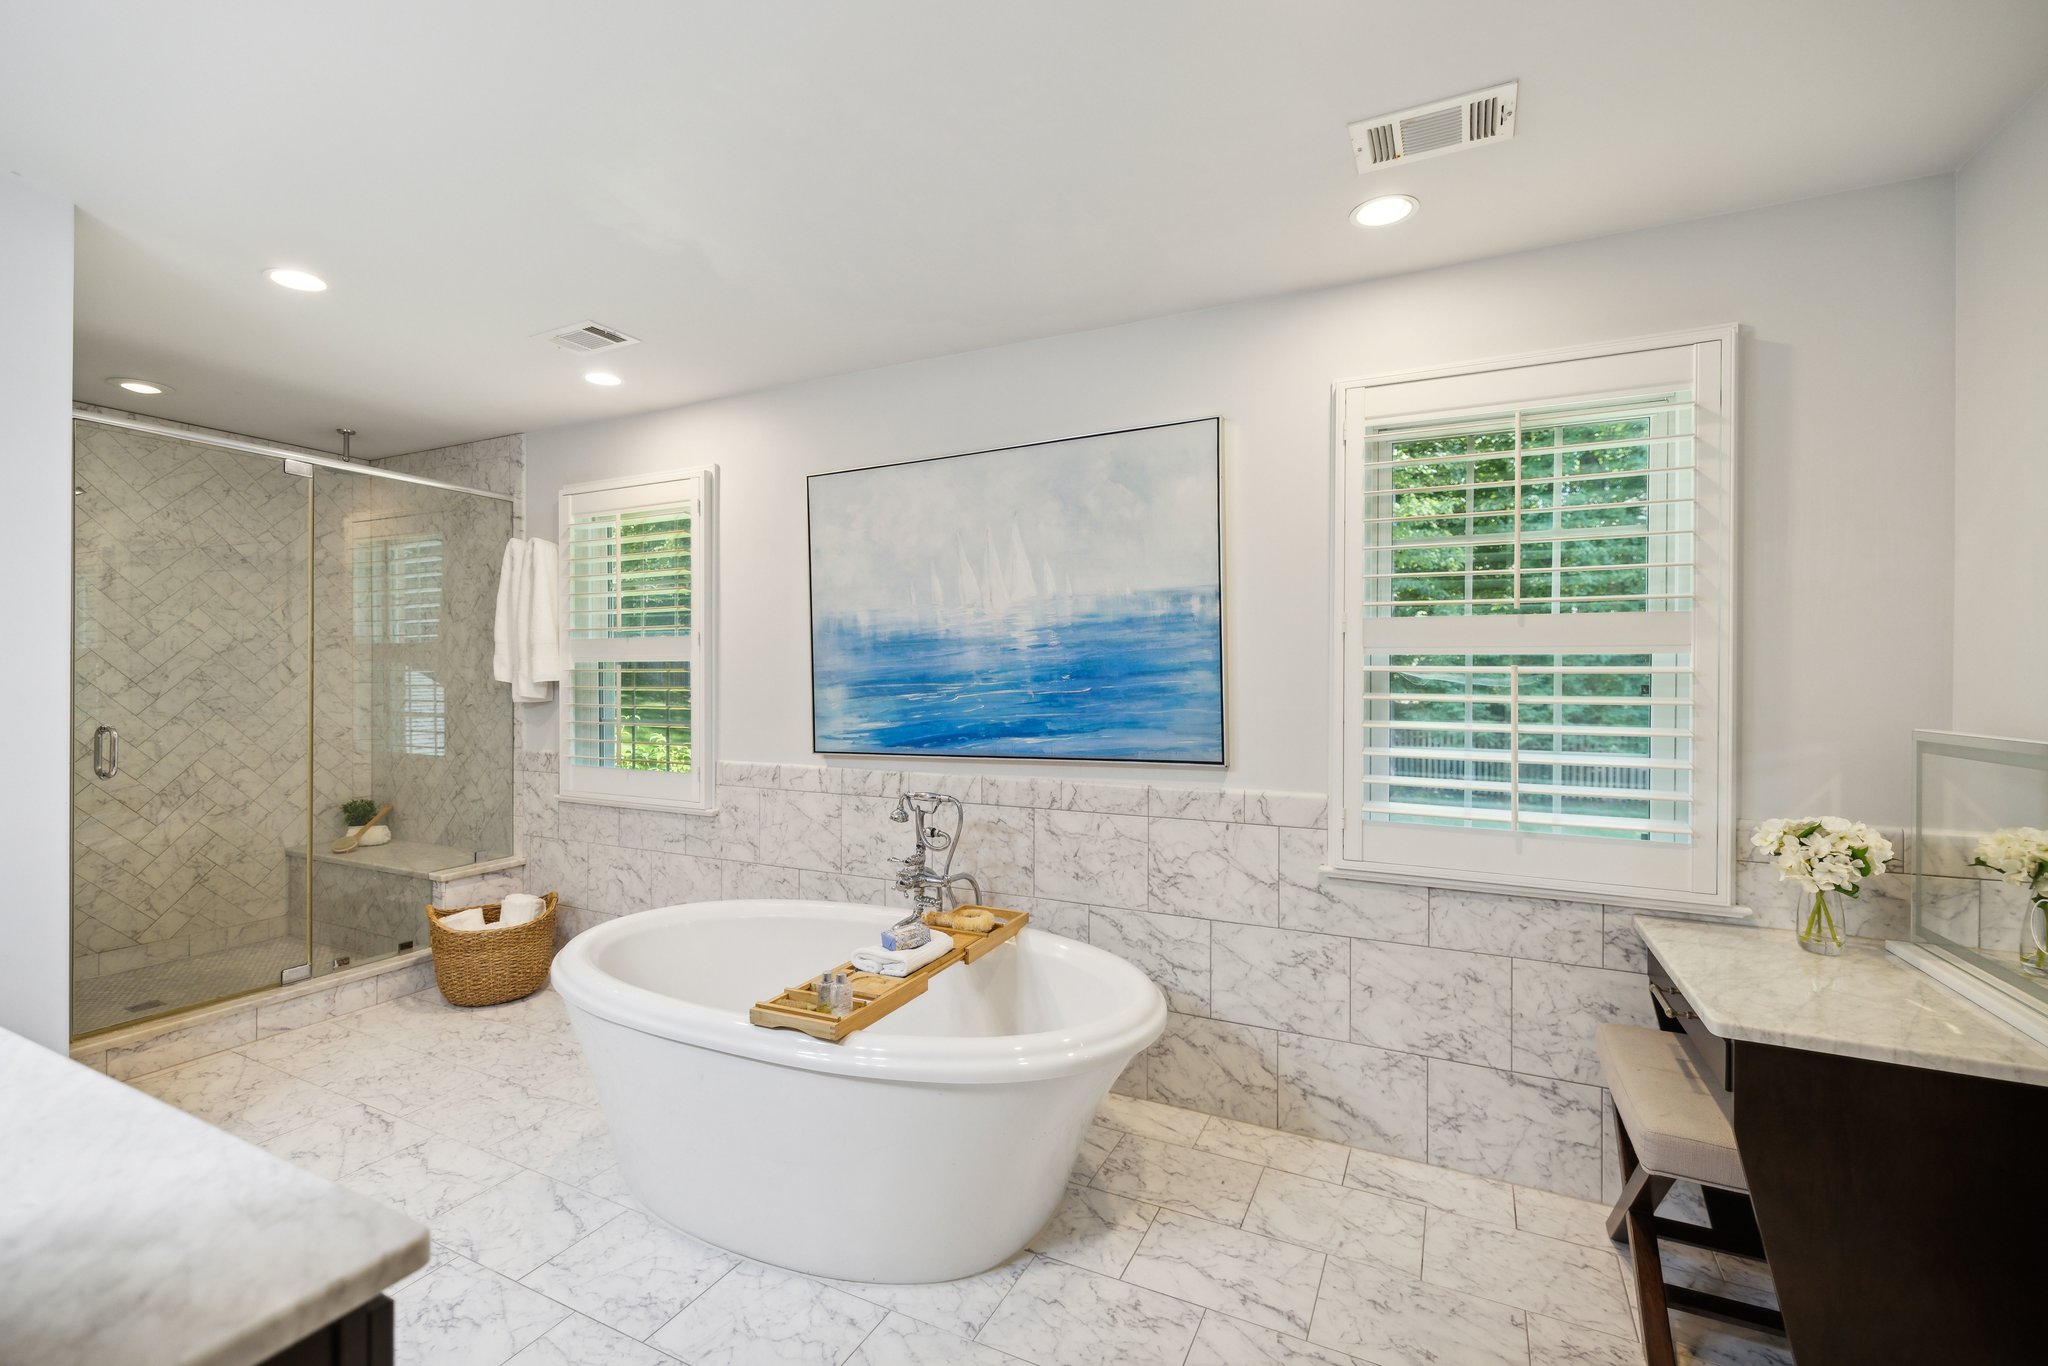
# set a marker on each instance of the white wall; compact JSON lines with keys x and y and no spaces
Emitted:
{"x":1848,"y":309}
{"x":35,"y":687}
{"x":2001,"y":650}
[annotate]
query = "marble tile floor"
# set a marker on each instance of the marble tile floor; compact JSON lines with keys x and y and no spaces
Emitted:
{"x":1184,"y":1239}
{"x":136,"y":994}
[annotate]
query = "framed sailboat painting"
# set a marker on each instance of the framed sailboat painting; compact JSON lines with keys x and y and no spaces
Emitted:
{"x":1061,"y":600}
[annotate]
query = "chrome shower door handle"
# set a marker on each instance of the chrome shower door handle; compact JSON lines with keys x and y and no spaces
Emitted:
{"x":106,"y":752}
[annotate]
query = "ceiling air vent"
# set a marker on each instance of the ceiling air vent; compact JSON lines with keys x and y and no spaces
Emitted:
{"x":1435,"y":129}
{"x":587,"y":337}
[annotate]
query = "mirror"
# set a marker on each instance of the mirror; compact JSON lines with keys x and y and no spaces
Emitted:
{"x":1979,"y":857}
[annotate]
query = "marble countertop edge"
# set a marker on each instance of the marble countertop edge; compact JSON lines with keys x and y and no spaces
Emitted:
{"x":265,"y":1339}
{"x":1756,"y":985}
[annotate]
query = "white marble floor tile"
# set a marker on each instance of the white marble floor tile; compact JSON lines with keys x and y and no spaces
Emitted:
{"x":245,"y":1097}
{"x":466,"y":1315}
{"x":340,"y":1142}
{"x":959,"y":1307}
{"x":1553,"y":1342}
{"x":758,"y":1316}
{"x":520,"y":1223}
{"x":1096,"y":1145}
{"x":376,"y":1071}
{"x":1440,"y":1188}
{"x":1562,"y":1280}
{"x":1095,"y":1230}
{"x":1346,"y":1221}
{"x":1395,"y":1320}
{"x":1060,"y":1315}
{"x":431,"y":1177}
{"x":1150,"y":1119}
{"x":570,"y":1144}
{"x":1186,"y":1179}
{"x":1224,"y":1341}
{"x":611,"y":1184}
{"x":1700,"y":1342}
{"x":491,"y":1111}
{"x":632,"y":1274}
{"x":901,"y":1341}
{"x":1314,"y":1157}
{"x":1259,"y":1280}
{"x":577,"y":1341}
{"x":1264,"y":1234}
{"x":1562,"y":1216}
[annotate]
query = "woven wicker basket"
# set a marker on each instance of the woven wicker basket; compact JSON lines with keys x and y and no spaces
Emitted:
{"x":474,"y":968}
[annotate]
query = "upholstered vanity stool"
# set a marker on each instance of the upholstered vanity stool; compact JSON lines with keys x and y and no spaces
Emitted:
{"x":1672,"y":1130}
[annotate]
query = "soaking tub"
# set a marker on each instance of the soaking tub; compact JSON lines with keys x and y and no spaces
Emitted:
{"x":927,"y":1147}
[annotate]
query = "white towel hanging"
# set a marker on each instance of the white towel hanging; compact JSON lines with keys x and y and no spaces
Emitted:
{"x":544,"y":615}
{"x":505,"y":625}
{"x":527,"y":648}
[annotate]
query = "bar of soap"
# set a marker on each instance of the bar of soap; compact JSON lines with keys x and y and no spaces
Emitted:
{"x":897,"y":938}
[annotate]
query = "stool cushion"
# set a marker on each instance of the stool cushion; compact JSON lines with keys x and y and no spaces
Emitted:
{"x":1667,"y":1107}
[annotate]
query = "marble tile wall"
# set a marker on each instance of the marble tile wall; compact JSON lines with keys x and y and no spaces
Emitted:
{"x":450,"y":788}
{"x":191,"y":641}
{"x":1431,"y":1024}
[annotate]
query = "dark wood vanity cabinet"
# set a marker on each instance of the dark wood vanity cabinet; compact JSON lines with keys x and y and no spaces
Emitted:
{"x":1904,"y":1210}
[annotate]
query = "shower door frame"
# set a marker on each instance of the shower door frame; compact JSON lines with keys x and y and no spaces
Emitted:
{"x":304,"y":461}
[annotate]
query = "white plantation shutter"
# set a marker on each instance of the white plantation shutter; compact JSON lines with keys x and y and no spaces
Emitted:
{"x":636,"y":571}
{"x":1535,"y":610}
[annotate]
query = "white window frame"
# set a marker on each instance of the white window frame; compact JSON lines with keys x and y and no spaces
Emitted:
{"x":1698,"y":876}
{"x":696,"y":790}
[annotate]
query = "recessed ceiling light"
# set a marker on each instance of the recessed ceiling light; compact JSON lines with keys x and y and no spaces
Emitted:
{"x":1387,"y":208}
{"x":139,"y":386}
{"x":304,"y":281}
{"x":604,"y":377}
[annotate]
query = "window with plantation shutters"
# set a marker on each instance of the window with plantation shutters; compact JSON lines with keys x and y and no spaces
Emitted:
{"x":1535,"y":616}
{"x":636,"y":571}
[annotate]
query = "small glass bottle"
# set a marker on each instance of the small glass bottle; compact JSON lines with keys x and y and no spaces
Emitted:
{"x":835,"y":993}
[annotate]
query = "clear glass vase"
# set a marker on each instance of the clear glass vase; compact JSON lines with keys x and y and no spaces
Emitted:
{"x":2034,"y":938}
{"x":1825,"y":925}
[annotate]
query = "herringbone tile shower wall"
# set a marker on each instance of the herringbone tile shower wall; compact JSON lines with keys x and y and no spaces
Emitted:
{"x":191,"y":640}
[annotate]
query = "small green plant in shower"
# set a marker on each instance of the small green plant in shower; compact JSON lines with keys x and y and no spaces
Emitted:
{"x":355,"y":813}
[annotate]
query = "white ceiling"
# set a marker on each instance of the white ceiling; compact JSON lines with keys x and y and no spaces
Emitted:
{"x":771,"y":191}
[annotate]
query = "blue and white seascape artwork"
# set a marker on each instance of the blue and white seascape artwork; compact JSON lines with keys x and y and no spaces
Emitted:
{"x":1055,"y":601}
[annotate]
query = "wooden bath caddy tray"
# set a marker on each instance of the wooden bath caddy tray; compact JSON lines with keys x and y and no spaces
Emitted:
{"x":875,"y":995}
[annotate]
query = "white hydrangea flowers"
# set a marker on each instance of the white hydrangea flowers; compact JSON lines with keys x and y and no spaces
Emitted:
{"x":2019,"y":855}
{"x":1824,"y":853}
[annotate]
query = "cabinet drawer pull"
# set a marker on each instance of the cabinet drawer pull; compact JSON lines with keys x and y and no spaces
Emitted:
{"x":1664,"y":1004}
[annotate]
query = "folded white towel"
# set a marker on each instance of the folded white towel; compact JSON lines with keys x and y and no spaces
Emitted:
{"x":518,"y":908}
{"x":901,"y":963}
{"x":471,"y":919}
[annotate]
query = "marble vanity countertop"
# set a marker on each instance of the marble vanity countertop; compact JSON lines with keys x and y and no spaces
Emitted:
{"x":133,"y":1233}
{"x":1759,"y":985}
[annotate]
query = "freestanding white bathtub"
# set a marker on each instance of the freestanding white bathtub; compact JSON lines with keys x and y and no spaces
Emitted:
{"x":928,"y":1147}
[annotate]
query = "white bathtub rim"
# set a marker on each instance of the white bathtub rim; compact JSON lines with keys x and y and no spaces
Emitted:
{"x":1119,"y":1035}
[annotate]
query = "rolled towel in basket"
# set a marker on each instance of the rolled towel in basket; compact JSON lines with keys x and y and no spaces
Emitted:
{"x":471,"y":919}
{"x":518,"y":908}
{"x":901,"y":962}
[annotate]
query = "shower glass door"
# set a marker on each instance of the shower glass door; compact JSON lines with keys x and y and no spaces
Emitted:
{"x":190,"y":720}
{"x":406,"y":713}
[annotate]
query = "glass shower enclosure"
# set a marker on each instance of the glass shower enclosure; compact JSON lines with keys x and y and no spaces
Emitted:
{"x":258,"y":640}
